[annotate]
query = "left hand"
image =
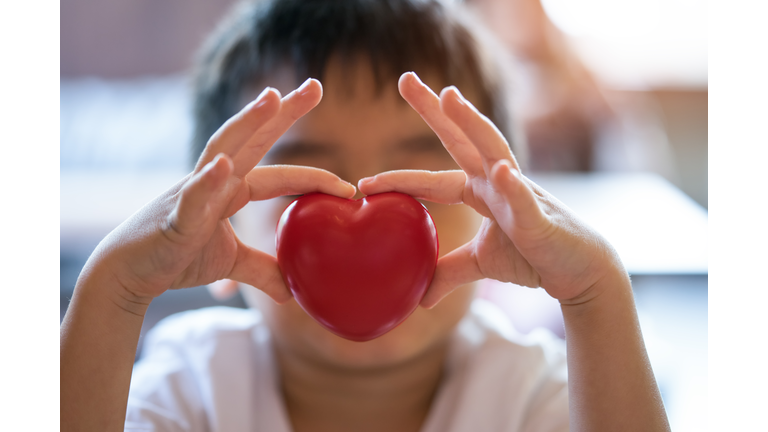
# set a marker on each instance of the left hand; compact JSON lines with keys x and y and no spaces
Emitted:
{"x":527,"y":237}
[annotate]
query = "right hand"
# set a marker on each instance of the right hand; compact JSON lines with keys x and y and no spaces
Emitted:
{"x":527,"y":236}
{"x":183,"y":238}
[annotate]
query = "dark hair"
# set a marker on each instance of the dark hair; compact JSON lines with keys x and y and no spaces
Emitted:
{"x":397,"y":36}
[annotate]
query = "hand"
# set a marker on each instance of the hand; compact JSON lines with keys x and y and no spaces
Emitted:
{"x":527,"y":236}
{"x":184,"y":238}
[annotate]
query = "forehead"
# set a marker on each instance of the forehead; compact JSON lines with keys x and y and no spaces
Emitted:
{"x":350,"y":89}
{"x":352,"y":81}
{"x":354,"y":106}
{"x":354,"y":99}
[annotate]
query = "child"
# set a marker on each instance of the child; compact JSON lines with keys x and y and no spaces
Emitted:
{"x":453,"y":364}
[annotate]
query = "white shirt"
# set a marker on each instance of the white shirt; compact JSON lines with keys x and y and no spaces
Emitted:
{"x":213,"y":370}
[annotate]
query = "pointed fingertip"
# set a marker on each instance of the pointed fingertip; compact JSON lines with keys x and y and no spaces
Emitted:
{"x":269,"y":94}
{"x":365,"y":181}
{"x":275,"y":92}
{"x":282,"y":298}
{"x":223,"y":289}
{"x":428,"y":304}
{"x":260,"y":99}
{"x":429,"y":301}
{"x":304,"y":87}
{"x":504,"y":171}
{"x":453,"y":92}
{"x":416,"y":79}
{"x":505,"y":163}
{"x":364,"y":184}
{"x":310,"y":85}
{"x":446,"y":90}
{"x":407,"y":83}
{"x":351,"y":190}
{"x":227,"y":162}
{"x":216,"y":171}
{"x":453,"y":105}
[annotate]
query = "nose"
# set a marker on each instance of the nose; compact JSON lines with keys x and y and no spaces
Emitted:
{"x":359,"y":168}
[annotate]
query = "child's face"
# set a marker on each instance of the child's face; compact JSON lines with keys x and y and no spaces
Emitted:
{"x":354,"y":133}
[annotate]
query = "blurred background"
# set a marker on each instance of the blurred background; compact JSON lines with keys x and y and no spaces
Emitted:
{"x":612,"y":96}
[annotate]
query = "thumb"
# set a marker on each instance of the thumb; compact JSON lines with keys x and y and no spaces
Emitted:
{"x":456,"y":268}
{"x":194,"y":219}
{"x":523,"y":208}
{"x":259,"y":269}
{"x":223,"y":289}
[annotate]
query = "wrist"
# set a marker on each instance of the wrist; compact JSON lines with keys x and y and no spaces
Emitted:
{"x":102,"y":287}
{"x":614,"y":279}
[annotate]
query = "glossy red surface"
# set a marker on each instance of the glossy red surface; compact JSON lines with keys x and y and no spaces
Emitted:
{"x":358,"y":267}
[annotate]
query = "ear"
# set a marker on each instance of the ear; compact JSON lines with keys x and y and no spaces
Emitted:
{"x":223,"y":289}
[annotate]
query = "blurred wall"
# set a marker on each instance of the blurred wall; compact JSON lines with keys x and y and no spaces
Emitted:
{"x":130,"y":38}
{"x":127,"y":38}
{"x":683,"y":113}
{"x":686,"y":120}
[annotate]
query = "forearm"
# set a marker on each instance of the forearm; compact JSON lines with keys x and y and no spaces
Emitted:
{"x":611,"y":384}
{"x":99,"y":336}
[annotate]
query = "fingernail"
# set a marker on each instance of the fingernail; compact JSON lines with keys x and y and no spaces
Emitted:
{"x":261,"y":99}
{"x":416,"y":77}
{"x":218,"y":285}
{"x":514,"y":172}
{"x":212,"y":164}
{"x":508,"y":169}
{"x":304,"y":87}
{"x":459,"y":97}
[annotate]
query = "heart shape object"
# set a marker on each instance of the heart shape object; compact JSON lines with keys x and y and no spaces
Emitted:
{"x":358,"y":267}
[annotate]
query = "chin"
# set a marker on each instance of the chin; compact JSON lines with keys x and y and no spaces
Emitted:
{"x":415,"y":336}
{"x":297,"y":333}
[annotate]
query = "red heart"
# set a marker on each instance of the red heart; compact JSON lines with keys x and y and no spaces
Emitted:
{"x":358,"y":267}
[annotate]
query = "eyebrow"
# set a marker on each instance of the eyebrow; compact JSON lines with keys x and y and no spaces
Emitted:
{"x":289,"y":149}
{"x":422,"y":143}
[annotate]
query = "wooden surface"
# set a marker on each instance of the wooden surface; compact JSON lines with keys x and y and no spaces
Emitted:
{"x":656,"y":228}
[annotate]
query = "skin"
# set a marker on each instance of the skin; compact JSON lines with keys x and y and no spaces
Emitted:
{"x":526,"y":236}
{"x":355,"y":132}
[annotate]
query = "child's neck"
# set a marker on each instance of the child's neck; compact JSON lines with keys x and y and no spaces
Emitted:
{"x":322,"y":398}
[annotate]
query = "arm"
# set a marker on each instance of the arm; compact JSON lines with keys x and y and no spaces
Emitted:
{"x":611,"y":384}
{"x":530,"y":238}
{"x":181,"y":239}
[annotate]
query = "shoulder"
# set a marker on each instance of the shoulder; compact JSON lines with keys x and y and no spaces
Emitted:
{"x":487,"y":329}
{"x":203,"y":324}
{"x":203,"y":343}
{"x":501,"y":379}
{"x":195,"y":365}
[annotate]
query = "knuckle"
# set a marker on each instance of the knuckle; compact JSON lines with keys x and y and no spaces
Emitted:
{"x":171,"y":230}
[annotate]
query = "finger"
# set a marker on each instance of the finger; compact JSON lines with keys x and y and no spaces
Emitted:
{"x":260,"y":270}
{"x":292,"y":107}
{"x":236,"y":131}
{"x":197,"y":210}
{"x":223,"y":289}
{"x":425,"y":102}
{"x":483,"y":134}
{"x":458,"y":267}
{"x":277,"y":180}
{"x":523,"y":208}
{"x":445,"y":187}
